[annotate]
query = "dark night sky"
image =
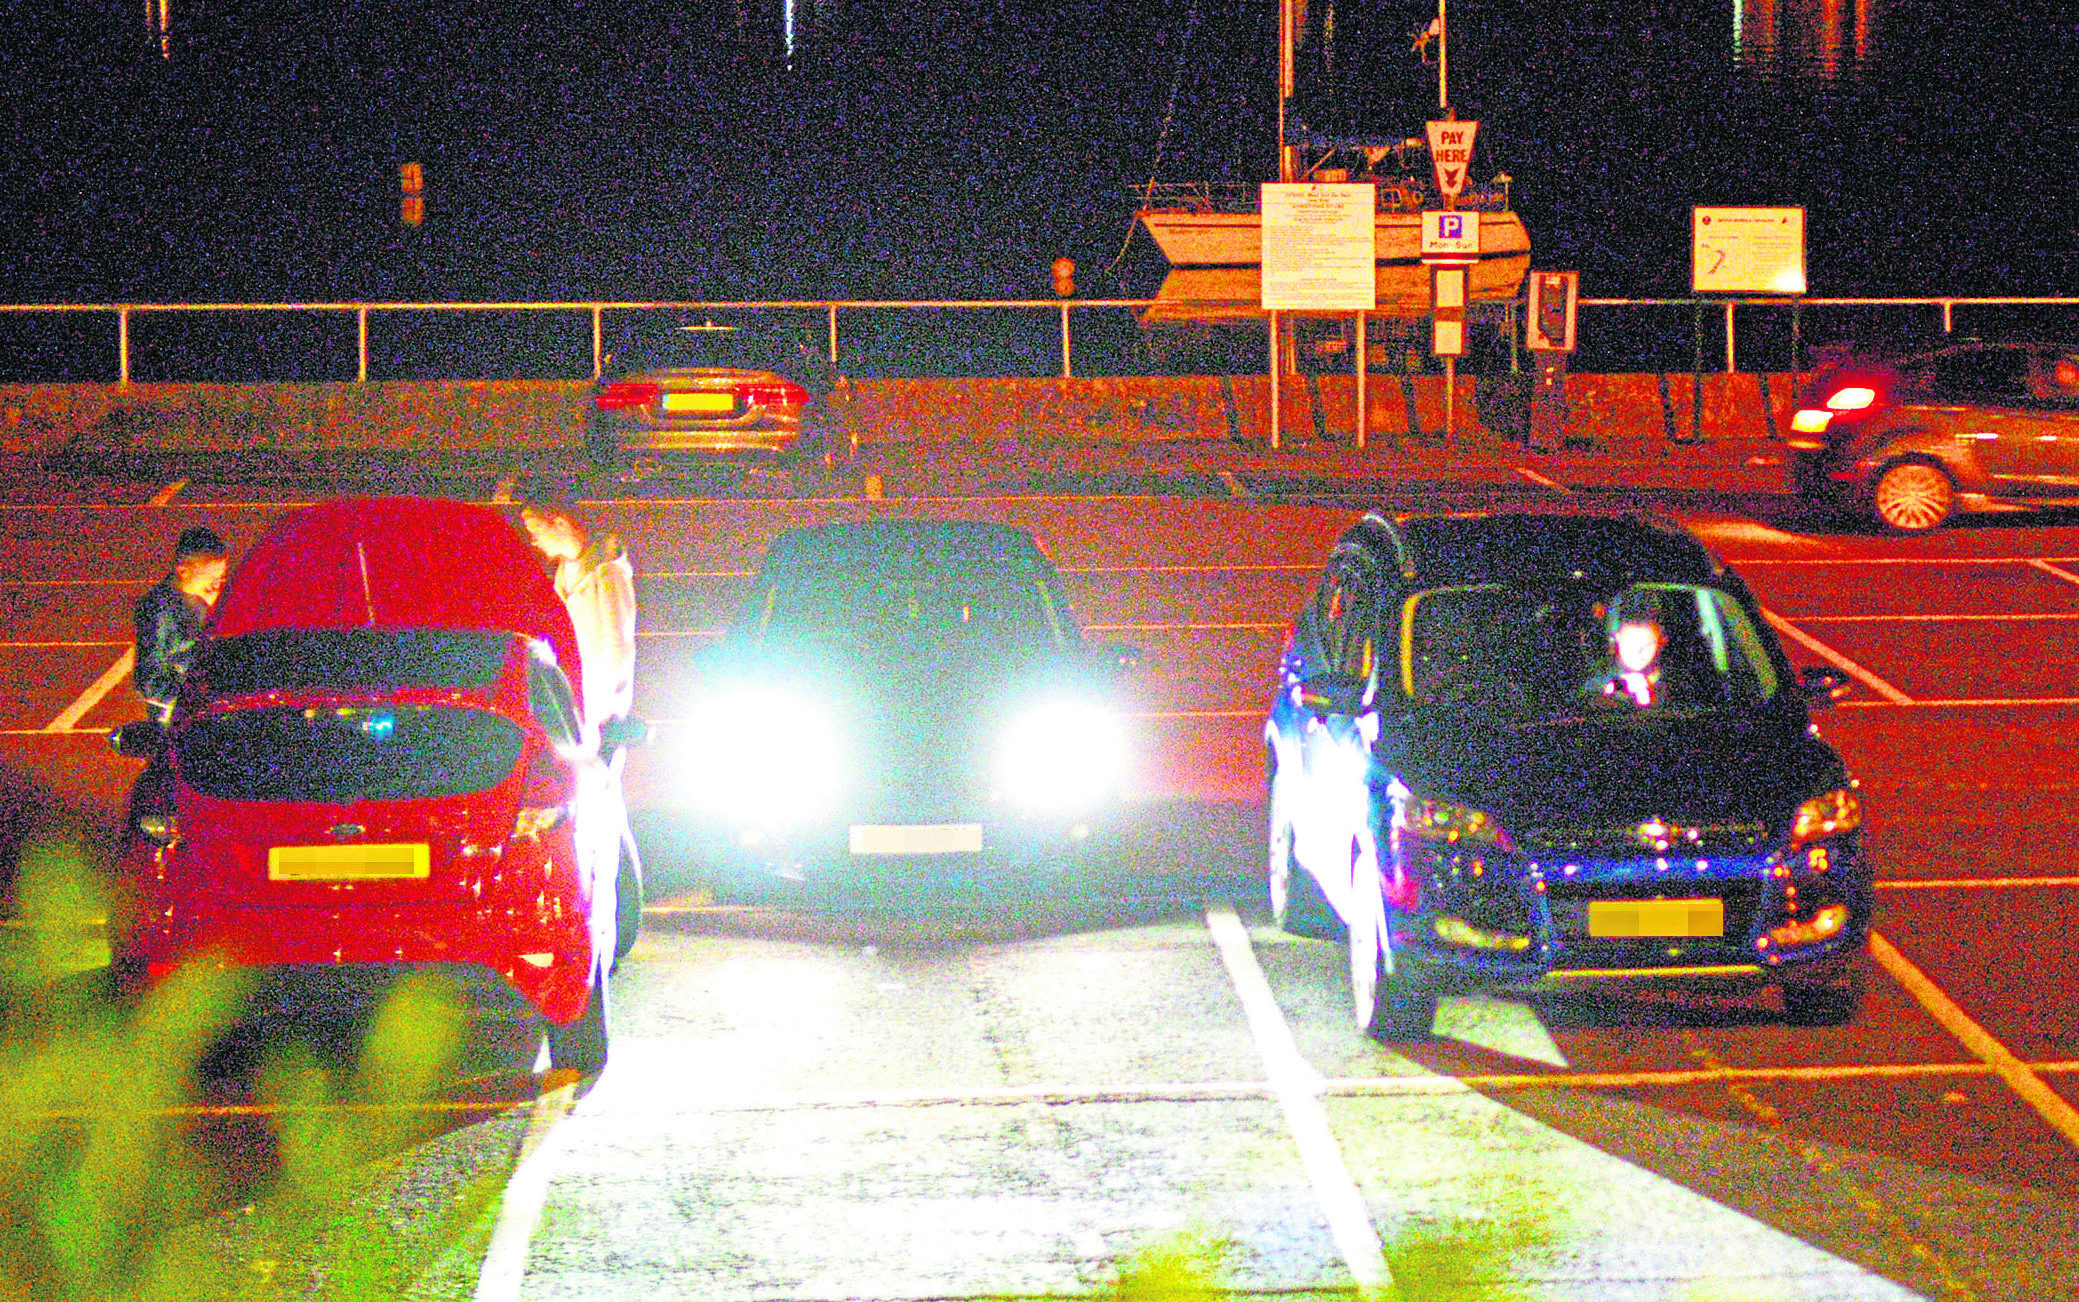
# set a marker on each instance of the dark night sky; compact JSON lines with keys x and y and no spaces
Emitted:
{"x":582,"y":148}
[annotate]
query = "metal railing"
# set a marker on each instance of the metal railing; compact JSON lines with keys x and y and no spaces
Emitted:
{"x":1796,"y":311}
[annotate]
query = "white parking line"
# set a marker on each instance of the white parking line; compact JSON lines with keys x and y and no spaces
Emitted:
{"x":2005,"y":1064}
{"x":503,"y":494}
{"x":1839,"y":661}
{"x":526,"y":1194}
{"x":166,"y":495}
{"x":90,"y":698}
{"x":1978,"y":883}
{"x":1542,"y":482}
{"x":1298,"y":1090}
{"x":2023,"y":618}
{"x":2056,"y":571}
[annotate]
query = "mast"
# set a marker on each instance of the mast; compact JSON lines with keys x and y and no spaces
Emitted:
{"x":1291,"y":13}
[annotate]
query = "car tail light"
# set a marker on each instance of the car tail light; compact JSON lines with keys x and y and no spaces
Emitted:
{"x":545,"y":796}
{"x":621,"y":395}
{"x":1853,"y":398}
{"x":771,"y":393}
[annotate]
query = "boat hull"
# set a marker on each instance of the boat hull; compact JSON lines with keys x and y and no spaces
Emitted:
{"x":1235,"y":239}
{"x":1211,"y":294}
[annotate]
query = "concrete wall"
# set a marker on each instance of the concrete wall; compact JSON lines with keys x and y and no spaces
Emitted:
{"x":460,"y":417}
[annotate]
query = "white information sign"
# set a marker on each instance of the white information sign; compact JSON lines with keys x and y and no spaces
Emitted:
{"x":1747,"y":251}
{"x":1450,"y":237}
{"x":1318,"y":247}
{"x":1451,"y":154}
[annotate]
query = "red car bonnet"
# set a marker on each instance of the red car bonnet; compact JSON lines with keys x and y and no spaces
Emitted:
{"x":397,"y":563}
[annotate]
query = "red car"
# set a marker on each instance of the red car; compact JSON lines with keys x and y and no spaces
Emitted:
{"x":378,"y":764}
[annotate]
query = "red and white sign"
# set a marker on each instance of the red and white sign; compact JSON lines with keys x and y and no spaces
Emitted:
{"x":1451,"y":154}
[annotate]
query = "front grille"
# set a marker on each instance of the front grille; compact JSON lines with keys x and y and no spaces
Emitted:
{"x":1648,"y":837}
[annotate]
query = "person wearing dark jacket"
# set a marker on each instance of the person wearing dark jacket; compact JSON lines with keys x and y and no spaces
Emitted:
{"x":170,"y":615}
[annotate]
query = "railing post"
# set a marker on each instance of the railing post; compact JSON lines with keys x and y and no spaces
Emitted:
{"x":361,"y":344}
{"x":1729,"y":337}
{"x":1948,"y":321}
{"x":1363,"y":365}
{"x":123,"y":346}
{"x":833,"y":335}
{"x":1064,"y":342}
{"x":598,"y":342}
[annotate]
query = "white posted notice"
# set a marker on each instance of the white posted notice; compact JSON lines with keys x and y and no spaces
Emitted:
{"x":1747,"y":251}
{"x":1318,"y":253}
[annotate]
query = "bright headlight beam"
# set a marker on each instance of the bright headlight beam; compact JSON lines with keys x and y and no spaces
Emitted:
{"x":1062,"y":755}
{"x":763,"y":752}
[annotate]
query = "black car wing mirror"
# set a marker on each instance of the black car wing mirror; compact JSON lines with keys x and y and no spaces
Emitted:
{"x":1823,"y":685}
{"x":1117,"y":658}
{"x":145,"y":739}
{"x":623,"y":731}
{"x":1335,"y":693}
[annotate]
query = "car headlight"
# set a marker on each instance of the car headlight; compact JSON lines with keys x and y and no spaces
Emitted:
{"x":762,"y":753}
{"x":1440,"y":820}
{"x":1062,"y":755}
{"x":1838,"y":811}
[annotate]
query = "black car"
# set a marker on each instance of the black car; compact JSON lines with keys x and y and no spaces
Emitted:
{"x":904,"y":708}
{"x":1551,"y":752}
{"x":1909,"y":440}
{"x":716,"y":386}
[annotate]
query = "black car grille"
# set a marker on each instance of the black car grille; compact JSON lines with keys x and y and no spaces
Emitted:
{"x":1650,"y":837}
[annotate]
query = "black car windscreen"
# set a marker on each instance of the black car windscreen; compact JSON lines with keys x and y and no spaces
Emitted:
{"x":336,"y":755}
{"x":314,"y":659}
{"x":701,"y":347}
{"x":1520,"y":655}
{"x":946,"y":614}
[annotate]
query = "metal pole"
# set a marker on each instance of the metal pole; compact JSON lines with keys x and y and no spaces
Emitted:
{"x":1363,"y":365}
{"x":1443,"y":60}
{"x":598,"y":341}
{"x":1450,"y":398}
{"x":1274,"y":369}
{"x":1729,"y":337}
{"x":833,"y":336}
{"x":123,"y":347}
{"x":1064,"y":341}
{"x":361,"y":344}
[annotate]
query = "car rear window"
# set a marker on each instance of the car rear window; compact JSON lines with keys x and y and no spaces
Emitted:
{"x":735,"y":348}
{"x":306,"y":659}
{"x":335,"y":755}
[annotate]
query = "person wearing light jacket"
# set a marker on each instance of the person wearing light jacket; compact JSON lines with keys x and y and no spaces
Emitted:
{"x":596,"y":581}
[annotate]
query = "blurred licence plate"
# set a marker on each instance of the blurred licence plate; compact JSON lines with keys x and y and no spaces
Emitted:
{"x":1614,"y":919}
{"x":346,"y":863}
{"x":702,"y":402}
{"x":916,"y":838}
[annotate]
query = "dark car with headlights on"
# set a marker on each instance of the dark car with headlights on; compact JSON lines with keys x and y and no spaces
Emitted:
{"x":1910,"y":440}
{"x":904,"y":709}
{"x":747,"y":387}
{"x":1547,"y":752}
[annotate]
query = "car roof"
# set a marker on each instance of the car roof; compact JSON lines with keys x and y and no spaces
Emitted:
{"x":395,"y":563}
{"x":1536,"y":548}
{"x":895,"y":546}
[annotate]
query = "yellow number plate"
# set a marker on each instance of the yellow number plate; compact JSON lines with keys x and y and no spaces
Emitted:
{"x":916,"y":838}
{"x":1623,"y":919}
{"x":702,"y":402}
{"x":347,"y":863}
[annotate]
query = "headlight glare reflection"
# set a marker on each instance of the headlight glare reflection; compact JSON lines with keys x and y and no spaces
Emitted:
{"x":1836,"y":812}
{"x":1061,"y":756}
{"x":764,"y":753}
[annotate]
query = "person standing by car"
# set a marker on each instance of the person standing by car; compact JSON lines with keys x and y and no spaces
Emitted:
{"x":169,"y":618}
{"x":596,"y":581}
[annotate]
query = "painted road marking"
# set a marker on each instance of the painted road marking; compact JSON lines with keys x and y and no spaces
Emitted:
{"x":2027,"y":1084}
{"x":2056,"y":571}
{"x":503,"y":494}
{"x":1297,"y":1087}
{"x":166,"y":495}
{"x":1234,"y":486}
{"x":1542,"y":482}
{"x":526,"y":1195}
{"x":1839,"y":661}
{"x":1961,"y":702}
{"x":2045,"y":617}
{"x":1976,"y":883}
{"x":90,"y":698}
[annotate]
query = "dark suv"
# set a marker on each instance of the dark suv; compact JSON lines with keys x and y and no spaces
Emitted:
{"x":1552,"y":752}
{"x":1910,"y":440}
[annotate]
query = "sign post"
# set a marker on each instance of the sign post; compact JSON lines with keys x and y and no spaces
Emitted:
{"x":1318,"y":256}
{"x":1450,"y":244}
